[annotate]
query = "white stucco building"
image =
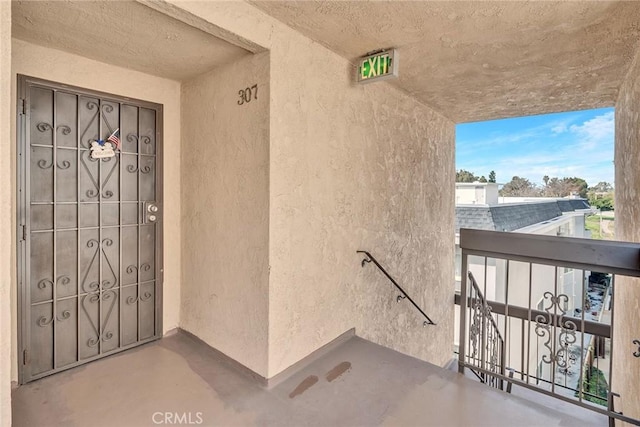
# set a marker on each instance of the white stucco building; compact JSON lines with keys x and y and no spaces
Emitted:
{"x":523,"y":286}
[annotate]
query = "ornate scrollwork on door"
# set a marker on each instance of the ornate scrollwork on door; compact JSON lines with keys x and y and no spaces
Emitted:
{"x":133,"y":269}
{"x":86,"y":211}
{"x":100,"y":109}
{"x":133,"y":169}
{"x":143,"y":168}
{"x":142,"y":298}
{"x":93,"y":193}
{"x":101,"y":333}
{"x":62,"y":280}
{"x":43,"y":164}
{"x":45,"y":127}
{"x":64,"y":315}
{"x":99,"y":248}
{"x":133,"y":138}
{"x":42,"y":321}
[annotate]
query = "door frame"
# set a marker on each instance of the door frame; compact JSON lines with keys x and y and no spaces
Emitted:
{"x":23,"y":220}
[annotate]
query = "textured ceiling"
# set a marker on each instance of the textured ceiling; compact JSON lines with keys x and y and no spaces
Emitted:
{"x":483,"y":60}
{"x":123,"y":33}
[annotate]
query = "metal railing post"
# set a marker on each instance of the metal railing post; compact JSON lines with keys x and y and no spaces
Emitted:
{"x":464,"y":283}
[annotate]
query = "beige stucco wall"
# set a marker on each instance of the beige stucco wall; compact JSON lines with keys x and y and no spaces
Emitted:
{"x":6,"y":209}
{"x":626,"y":368}
{"x":355,"y":167}
{"x":344,"y":167}
{"x":37,"y":61}
{"x":225,"y":207}
{"x":351,"y":167}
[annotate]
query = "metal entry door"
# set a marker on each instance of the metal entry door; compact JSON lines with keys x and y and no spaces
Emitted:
{"x":90,"y":262}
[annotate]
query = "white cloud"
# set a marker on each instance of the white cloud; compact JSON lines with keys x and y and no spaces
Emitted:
{"x":597,"y":131}
{"x":559,"y":147}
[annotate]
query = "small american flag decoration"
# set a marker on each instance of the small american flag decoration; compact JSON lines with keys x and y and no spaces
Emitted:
{"x":114,"y":138}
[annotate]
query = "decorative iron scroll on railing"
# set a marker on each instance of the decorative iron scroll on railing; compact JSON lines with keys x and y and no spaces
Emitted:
{"x":488,"y":351}
{"x":369,"y":258}
{"x":550,"y":301}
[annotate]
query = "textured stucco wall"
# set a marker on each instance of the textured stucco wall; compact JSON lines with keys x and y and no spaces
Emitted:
{"x":225,"y":208}
{"x":351,"y":167}
{"x":626,"y":368}
{"x":37,"y":61}
{"x":6,"y":208}
{"x":355,"y":167}
{"x":154,"y":43}
{"x":484,"y":59}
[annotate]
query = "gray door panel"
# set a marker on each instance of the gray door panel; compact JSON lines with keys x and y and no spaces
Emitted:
{"x":90,"y":260}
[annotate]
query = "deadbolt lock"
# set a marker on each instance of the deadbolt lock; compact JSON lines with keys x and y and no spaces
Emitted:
{"x":151,"y":212}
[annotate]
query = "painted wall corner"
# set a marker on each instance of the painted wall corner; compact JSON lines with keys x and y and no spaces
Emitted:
{"x":225,"y":202}
{"x":6,"y":207}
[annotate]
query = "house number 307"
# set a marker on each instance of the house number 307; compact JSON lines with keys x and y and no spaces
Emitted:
{"x":248,"y":94}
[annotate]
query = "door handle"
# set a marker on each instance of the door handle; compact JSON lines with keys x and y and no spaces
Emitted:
{"x":151,"y":213}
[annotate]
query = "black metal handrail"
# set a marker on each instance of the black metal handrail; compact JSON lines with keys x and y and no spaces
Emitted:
{"x":370,"y":258}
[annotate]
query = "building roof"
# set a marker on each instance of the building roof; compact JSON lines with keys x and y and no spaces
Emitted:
{"x":568,"y":205}
{"x":475,"y":184}
{"x":513,"y":216}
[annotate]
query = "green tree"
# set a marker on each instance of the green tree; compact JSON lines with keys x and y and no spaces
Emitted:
{"x":602,"y":187}
{"x":603,"y":203}
{"x":492,"y":176}
{"x":520,"y":187}
{"x":578,"y":186}
{"x":465,"y":176}
{"x":556,"y":187}
{"x":482,"y":179}
{"x":563,"y":187}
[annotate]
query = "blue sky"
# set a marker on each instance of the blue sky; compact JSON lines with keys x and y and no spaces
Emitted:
{"x":577,"y":143}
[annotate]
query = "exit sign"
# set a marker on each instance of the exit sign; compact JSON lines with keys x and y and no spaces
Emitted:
{"x":378,"y":66}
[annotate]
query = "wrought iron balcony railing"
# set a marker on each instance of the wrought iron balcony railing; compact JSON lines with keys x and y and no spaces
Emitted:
{"x":490,"y":352}
{"x":537,"y":312}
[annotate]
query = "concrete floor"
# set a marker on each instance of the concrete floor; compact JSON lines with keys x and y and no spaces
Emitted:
{"x":358,"y":383}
